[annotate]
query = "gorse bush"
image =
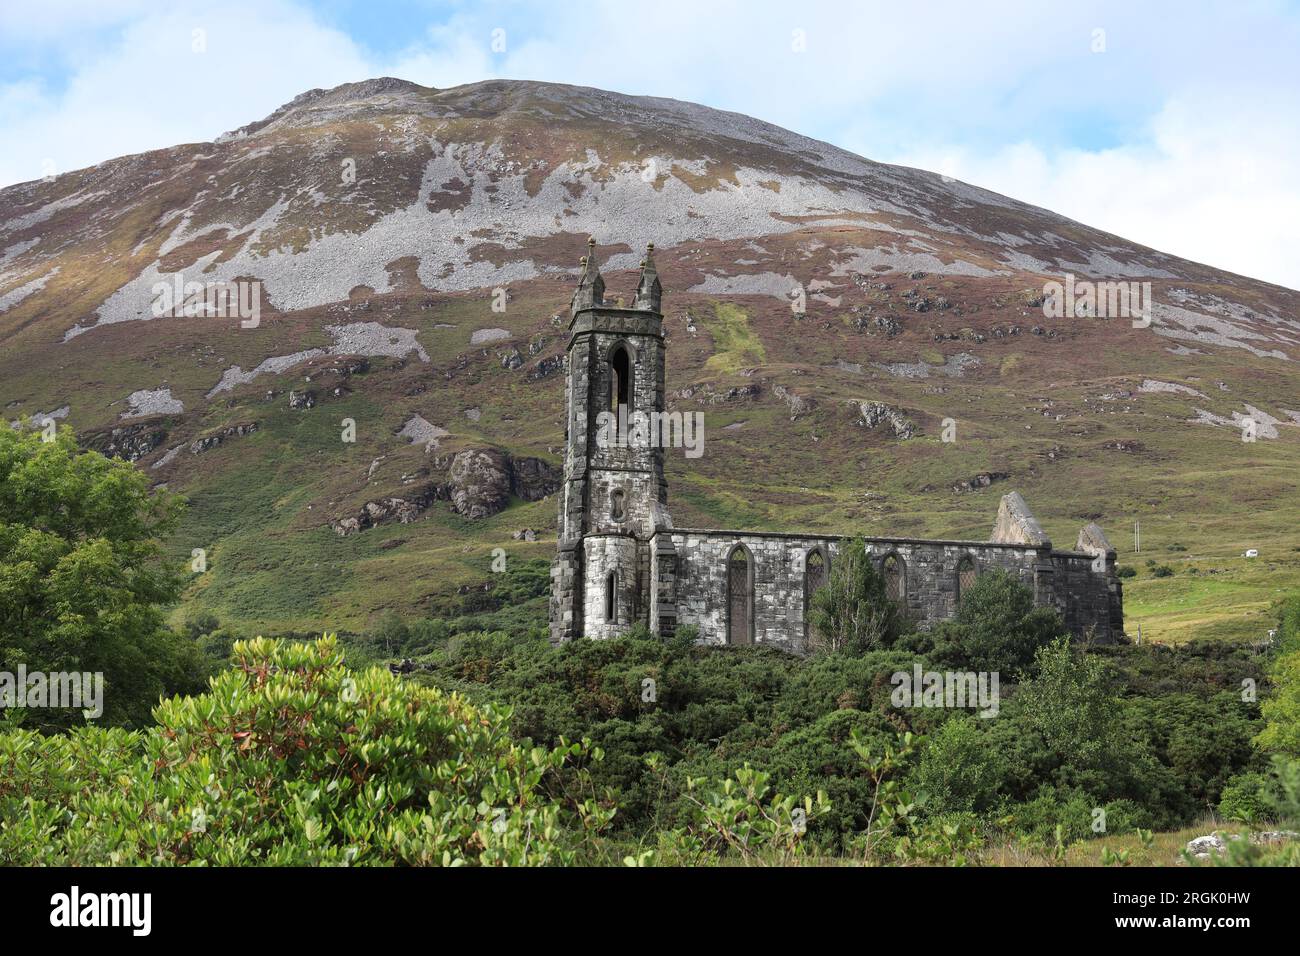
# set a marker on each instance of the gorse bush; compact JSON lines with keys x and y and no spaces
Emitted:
{"x":291,"y":758}
{"x":997,"y":628}
{"x":706,"y":713}
{"x":1079,"y":731}
{"x":959,"y":771}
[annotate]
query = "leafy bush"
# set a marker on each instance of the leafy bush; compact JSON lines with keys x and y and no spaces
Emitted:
{"x":1246,"y":798}
{"x":82,"y":577}
{"x":1064,"y":730}
{"x":1279,"y":797}
{"x":997,"y":628}
{"x":1281,"y":733}
{"x":959,"y":770}
{"x":853,"y":612}
{"x":290,"y":758}
{"x":741,"y":818}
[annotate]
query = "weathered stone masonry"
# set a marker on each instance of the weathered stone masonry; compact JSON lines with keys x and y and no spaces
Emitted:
{"x":620,"y":561}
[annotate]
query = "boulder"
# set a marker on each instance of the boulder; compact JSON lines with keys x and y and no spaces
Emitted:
{"x":1202,"y":847}
{"x":480,"y":482}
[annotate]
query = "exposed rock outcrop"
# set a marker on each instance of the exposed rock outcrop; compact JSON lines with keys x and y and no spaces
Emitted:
{"x":403,"y":510}
{"x":546,"y":367}
{"x":982,"y":480}
{"x":208,"y":442}
{"x":874,"y":413}
{"x":533,"y":479}
{"x":479,"y":484}
{"x":128,"y":442}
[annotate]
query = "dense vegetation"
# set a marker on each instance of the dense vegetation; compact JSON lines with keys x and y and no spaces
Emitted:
{"x":81,"y":580}
{"x":490,"y":746}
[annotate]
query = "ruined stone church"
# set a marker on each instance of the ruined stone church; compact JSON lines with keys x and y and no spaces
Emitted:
{"x":620,"y":561}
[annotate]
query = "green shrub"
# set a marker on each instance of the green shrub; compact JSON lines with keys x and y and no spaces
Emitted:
{"x":82,"y":578}
{"x":290,"y":758}
{"x":852,"y":612}
{"x":1203,"y":741}
{"x":997,"y":628}
{"x":1281,"y":733}
{"x":1246,"y":798}
{"x":1053,"y":817}
{"x":1279,"y":798}
{"x":741,"y":818}
{"x":959,"y":771}
{"x":1065,"y":729}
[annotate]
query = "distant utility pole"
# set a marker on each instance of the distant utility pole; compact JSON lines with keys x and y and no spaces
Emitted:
{"x":1137,"y":535}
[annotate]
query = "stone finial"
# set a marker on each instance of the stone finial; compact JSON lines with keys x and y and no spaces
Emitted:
{"x":591,"y":287}
{"x":1017,"y":525}
{"x":1092,"y":540}
{"x":661,"y":520}
{"x":648,"y":292}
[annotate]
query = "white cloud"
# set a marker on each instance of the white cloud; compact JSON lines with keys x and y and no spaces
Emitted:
{"x":150,"y":87}
{"x":1213,"y":181}
{"x":1182,"y":134}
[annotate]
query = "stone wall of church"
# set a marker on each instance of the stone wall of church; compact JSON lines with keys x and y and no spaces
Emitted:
{"x":690,"y":587}
{"x":699,"y":594}
{"x":613,"y":562}
{"x":930,"y":570}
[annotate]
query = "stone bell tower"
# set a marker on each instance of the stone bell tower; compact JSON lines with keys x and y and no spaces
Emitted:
{"x":614,"y":495}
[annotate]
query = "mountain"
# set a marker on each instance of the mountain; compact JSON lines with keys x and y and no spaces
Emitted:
{"x":414,"y":251}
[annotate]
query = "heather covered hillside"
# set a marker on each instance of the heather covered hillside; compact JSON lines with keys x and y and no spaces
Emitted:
{"x":412,"y":251}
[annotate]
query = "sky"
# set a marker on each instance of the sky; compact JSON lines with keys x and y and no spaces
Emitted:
{"x":1174,"y":124}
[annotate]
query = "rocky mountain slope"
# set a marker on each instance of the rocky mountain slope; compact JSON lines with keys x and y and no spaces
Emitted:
{"x":394,"y":414}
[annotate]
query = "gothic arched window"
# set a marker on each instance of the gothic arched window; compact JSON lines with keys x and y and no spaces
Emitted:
{"x":618,"y":504}
{"x":740,"y":596}
{"x":814,"y":578}
{"x":895,"y":573}
{"x":966,"y":574}
{"x":620,"y":382}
